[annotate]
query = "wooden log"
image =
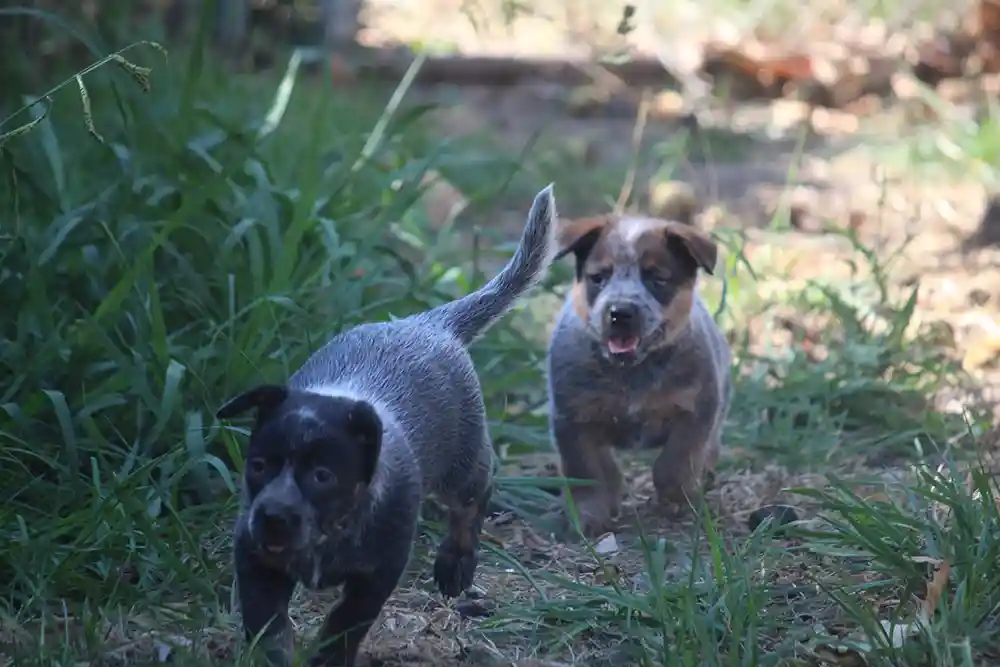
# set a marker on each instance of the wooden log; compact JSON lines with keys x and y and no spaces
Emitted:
{"x":509,"y":71}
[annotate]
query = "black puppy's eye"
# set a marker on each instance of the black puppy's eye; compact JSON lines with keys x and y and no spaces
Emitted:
{"x":257,"y":466}
{"x":322,"y":476}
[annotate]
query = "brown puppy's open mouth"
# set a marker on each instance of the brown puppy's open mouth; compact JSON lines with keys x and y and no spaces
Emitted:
{"x":623,"y":344}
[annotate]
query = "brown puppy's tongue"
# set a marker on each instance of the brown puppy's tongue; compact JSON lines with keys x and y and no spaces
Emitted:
{"x":622,"y":345}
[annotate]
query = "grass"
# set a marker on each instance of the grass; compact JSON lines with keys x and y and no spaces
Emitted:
{"x":171,"y":254}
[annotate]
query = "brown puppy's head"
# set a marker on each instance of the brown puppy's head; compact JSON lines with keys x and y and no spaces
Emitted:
{"x":635,"y":279}
{"x":309,"y":459}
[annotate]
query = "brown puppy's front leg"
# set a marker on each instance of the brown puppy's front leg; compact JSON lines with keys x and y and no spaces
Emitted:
{"x":679,"y":470}
{"x":345,"y":627}
{"x":586,"y":453}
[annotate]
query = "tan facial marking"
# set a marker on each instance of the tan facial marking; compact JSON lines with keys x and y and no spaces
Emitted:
{"x":580,"y":300}
{"x":677,"y":313}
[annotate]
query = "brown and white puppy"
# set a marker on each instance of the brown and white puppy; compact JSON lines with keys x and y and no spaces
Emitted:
{"x":636,"y":360}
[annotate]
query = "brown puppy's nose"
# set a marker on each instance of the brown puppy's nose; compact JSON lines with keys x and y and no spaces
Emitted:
{"x":621,"y":317}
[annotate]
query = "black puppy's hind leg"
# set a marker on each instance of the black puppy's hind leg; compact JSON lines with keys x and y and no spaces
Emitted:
{"x":458,"y":553}
{"x":263,"y":595}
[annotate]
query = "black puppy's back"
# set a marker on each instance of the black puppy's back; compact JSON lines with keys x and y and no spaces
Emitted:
{"x":423,"y":380}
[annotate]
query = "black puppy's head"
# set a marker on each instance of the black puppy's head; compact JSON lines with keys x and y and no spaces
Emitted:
{"x":310,"y":459}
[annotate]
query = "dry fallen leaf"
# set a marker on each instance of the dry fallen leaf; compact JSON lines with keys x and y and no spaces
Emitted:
{"x":840,"y":656}
{"x":897,"y":632}
{"x":935,"y":589}
{"x":982,"y":352}
{"x":608,"y":544}
{"x":926,"y":559}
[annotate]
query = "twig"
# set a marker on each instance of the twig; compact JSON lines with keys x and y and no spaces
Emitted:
{"x":641,"y":116}
{"x":378,"y":132}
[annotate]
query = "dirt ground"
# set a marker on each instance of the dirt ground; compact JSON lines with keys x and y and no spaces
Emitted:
{"x":859,"y":179}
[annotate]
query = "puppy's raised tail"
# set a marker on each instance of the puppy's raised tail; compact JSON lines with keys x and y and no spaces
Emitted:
{"x":470,"y":316}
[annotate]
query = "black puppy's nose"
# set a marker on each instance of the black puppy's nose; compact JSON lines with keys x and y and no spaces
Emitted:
{"x":621,"y":316}
{"x":279,"y":521}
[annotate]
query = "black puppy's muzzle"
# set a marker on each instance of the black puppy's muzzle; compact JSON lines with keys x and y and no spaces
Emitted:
{"x":278,"y":526}
{"x":621,"y":328}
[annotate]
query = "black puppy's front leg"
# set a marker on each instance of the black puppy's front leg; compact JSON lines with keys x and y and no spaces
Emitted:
{"x":362,"y":600}
{"x":264,"y":594}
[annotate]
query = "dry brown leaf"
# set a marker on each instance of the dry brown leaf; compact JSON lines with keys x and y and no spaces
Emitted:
{"x":935,"y":589}
{"x":981,"y":352}
{"x":766,"y":64}
{"x":841,"y":658}
{"x":493,"y":539}
{"x":988,"y":37}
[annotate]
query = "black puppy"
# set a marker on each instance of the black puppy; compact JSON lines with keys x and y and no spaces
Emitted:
{"x":341,"y":457}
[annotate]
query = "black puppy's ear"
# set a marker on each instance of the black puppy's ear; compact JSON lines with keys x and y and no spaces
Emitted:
{"x":264,"y":398}
{"x":364,"y":424}
{"x":579,"y":236}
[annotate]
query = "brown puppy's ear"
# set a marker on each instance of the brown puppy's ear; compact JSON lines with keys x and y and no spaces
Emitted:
{"x":579,"y":236}
{"x":696,"y":245}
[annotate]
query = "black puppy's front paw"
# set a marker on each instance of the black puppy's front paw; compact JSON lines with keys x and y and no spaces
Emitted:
{"x":454,"y":567}
{"x":324,"y":660}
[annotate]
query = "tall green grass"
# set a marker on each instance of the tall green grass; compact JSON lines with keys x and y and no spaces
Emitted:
{"x":165,"y":246}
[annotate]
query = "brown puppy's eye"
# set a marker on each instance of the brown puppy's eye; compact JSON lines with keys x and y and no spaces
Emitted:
{"x":598,"y":278}
{"x":257,"y":466}
{"x":657,"y":280}
{"x":322,"y":476}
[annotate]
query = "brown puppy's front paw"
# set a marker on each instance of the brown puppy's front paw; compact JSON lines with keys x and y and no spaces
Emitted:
{"x":672,"y":509}
{"x":678,"y":492}
{"x":677,"y":482}
{"x":454,"y":567}
{"x":595,"y":513}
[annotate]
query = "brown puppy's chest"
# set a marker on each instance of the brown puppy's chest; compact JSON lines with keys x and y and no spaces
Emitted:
{"x":631,"y":418}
